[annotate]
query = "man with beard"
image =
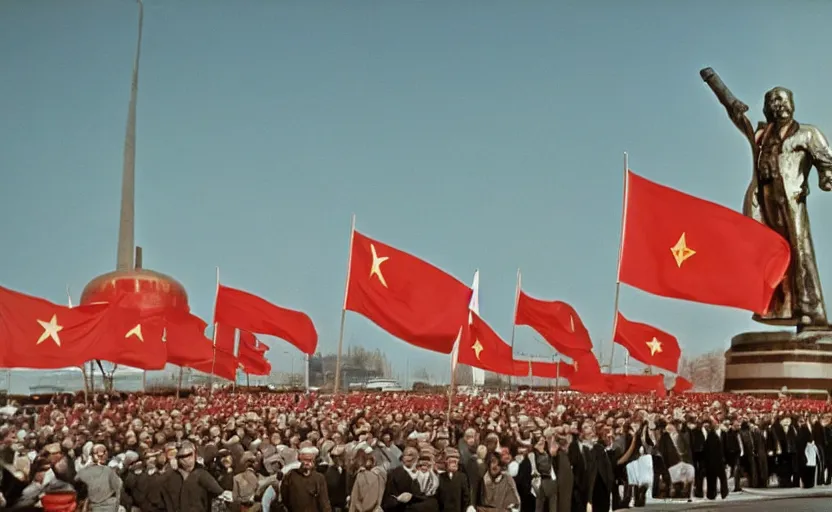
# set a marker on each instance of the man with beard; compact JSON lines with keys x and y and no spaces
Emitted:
{"x":303,"y":489}
{"x":454,"y":490}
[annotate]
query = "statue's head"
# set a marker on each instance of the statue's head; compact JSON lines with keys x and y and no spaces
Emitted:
{"x":778,"y":105}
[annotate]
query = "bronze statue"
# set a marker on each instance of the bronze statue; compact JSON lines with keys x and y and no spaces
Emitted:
{"x":784,"y":151}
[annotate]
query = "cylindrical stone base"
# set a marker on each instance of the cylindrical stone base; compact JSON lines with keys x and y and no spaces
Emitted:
{"x":762,"y":363}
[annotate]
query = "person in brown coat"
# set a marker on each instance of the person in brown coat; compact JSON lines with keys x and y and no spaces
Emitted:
{"x":303,"y":489}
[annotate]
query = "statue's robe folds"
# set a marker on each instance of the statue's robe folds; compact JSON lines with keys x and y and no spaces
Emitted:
{"x":777,"y":197}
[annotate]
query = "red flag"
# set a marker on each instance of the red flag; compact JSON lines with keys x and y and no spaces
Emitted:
{"x":616,"y":383}
{"x":598,"y":384}
{"x":682,"y":385}
{"x":557,"y":322}
{"x":677,"y":245}
{"x":586,"y":365}
{"x":36,"y":333}
{"x":483,"y":348}
{"x":406,"y":296}
{"x":250,"y":342}
{"x":249,"y":312}
{"x":636,"y":384}
{"x":222,"y":364}
{"x":186,"y":342}
{"x":648,"y":344}
{"x":135,"y":338}
{"x":253,"y":355}
{"x":559,"y":369}
{"x":521,"y":368}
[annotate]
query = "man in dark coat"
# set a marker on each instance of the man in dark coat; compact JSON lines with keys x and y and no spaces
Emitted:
{"x":732,"y":449}
{"x":523,"y":482}
{"x":189,"y":487}
{"x":336,"y":480}
{"x":304,"y":489}
{"x":714,"y":454}
{"x":583,"y":467}
{"x":454,"y":490}
{"x":665,"y":456}
{"x":819,"y":437}
{"x":402,"y":492}
{"x":600,"y":473}
{"x":747,"y":465}
{"x":826,"y":422}
{"x":469,"y":463}
{"x":697,"y":449}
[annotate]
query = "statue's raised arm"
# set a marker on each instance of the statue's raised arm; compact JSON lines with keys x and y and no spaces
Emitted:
{"x":736,"y":109}
{"x":783,"y":153}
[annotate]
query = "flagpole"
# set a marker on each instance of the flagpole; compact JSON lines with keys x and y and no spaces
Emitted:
{"x":83,"y":366}
{"x":306,"y":375}
{"x":337,"y":386}
{"x":214,"y":340}
{"x":557,"y":383}
{"x":514,"y":320}
{"x":620,"y":250}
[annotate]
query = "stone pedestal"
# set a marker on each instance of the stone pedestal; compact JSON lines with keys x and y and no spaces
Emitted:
{"x":761,"y":363}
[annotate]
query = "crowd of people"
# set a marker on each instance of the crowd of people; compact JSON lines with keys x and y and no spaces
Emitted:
{"x":250,"y":451}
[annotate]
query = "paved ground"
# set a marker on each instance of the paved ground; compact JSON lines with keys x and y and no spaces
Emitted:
{"x":763,"y":500}
{"x":816,"y":504}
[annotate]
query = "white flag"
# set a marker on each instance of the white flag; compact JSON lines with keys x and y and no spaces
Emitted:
{"x":478,"y":374}
{"x":474,"y":305}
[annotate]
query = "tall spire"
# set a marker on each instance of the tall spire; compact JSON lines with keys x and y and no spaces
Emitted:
{"x":126,"y":228}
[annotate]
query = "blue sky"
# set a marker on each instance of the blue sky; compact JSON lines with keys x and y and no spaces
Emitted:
{"x":474,"y":134}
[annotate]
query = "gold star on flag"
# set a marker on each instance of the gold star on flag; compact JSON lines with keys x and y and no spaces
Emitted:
{"x":654,"y":345}
{"x":376,"y":268}
{"x":681,"y":251}
{"x":50,"y":330}
{"x":135,"y":331}
{"x":477,"y":349}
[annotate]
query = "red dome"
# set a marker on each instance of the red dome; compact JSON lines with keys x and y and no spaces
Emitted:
{"x":145,"y":289}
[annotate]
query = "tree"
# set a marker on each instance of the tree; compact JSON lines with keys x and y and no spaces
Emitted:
{"x":464,"y":375}
{"x":706,"y":371}
{"x":422,"y":375}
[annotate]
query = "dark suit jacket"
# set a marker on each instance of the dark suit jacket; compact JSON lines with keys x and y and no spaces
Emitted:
{"x":454,"y":493}
{"x":667,"y":450}
{"x":714,"y":454}
{"x":599,"y":466}
{"x":523,"y":481}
